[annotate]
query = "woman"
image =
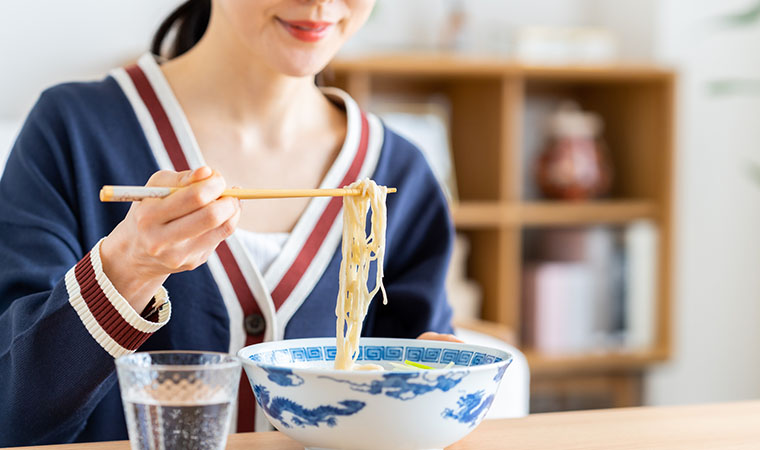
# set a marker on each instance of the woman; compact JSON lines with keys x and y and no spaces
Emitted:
{"x":82,"y":282}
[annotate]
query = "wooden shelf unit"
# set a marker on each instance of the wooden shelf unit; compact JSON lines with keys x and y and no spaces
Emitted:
{"x":485,"y":214}
{"x":488,"y":104}
{"x":593,"y":362}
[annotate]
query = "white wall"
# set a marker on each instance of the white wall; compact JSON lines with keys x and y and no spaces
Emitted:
{"x":43,"y":42}
{"x":488,"y":28}
{"x":717,"y":337}
{"x":634,"y":21}
{"x":491,"y":23}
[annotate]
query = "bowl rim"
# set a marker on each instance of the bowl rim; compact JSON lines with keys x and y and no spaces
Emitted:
{"x":507,"y":360}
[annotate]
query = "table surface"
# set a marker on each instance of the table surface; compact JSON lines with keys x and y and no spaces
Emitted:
{"x":717,"y":426}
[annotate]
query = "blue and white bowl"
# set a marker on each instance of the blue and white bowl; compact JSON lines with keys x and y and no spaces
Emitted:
{"x":323,"y":408}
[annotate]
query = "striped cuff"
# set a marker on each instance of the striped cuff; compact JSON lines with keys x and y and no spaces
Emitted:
{"x":108,"y":317}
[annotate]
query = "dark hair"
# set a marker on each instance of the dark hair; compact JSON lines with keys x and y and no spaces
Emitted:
{"x":191,"y":20}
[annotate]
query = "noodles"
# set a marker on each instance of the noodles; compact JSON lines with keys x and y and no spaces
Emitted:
{"x":359,"y":250}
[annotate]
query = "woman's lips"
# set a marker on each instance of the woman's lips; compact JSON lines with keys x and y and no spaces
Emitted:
{"x":306,"y":30}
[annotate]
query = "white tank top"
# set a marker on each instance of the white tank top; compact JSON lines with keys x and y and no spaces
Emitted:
{"x":263,"y":247}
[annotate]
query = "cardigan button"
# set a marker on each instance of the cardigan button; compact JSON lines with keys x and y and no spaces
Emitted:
{"x":254,"y":324}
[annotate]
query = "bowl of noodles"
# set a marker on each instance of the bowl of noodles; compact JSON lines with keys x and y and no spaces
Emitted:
{"x":401,"y":394}
{"x":348,"y":392}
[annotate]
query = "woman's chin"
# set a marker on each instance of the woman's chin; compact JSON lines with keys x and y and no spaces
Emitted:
{"x":300,"y":62}
{"x":302,"y":67}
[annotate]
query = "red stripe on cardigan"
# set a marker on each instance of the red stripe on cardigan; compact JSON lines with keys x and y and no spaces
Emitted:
{"x":239,"y":285}
{"x":246,"y":401}
{"x":163,"y":125}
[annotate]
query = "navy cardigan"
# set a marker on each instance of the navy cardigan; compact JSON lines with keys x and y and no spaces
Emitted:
{"x":57,"y":375}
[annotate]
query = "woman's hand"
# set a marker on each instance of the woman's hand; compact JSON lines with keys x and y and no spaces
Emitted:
{"x":162,"y":236}
{"x":433,"y":336}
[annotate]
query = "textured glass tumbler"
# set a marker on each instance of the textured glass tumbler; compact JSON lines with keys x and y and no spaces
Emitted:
{"x":178,"y":400}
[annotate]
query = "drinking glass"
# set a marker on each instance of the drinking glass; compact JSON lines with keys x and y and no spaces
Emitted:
{"x":178,"y":399}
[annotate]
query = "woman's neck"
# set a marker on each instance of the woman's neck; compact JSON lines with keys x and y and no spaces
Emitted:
{"x":255,"y":125}
{"x":219,"y":79}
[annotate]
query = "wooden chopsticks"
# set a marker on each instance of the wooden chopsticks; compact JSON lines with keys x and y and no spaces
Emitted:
{"x":137,"y":193}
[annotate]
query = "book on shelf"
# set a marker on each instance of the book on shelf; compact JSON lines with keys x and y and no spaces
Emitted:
{"x":641,"y":284}
{"x":560,"y":312}
{"x":590,"y":289}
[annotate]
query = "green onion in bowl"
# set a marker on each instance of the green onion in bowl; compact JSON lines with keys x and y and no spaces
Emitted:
{"x":416,"y":366}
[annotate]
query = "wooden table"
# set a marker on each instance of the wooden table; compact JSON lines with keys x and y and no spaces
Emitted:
{"x":719,"y":426}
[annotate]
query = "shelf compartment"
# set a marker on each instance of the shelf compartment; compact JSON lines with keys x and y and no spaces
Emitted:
{"x":492,"y":252}
{"x":444,"y":64}
{"x":545,"y":364}
{"x":476,"y":215}
{"x":478,"y":121}
{"x":638,"y":128}
{"x":580,"y":213}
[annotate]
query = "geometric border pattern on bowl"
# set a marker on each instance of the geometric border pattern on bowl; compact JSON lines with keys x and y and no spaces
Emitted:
{"x":399,"y":353}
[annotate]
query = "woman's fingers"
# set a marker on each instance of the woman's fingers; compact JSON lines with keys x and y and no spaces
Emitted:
{"x":195,"y":209}
{"x":160,"y":236}
{"x":194,"y":196}
{"x":198,"y":188}
{"x":195,"y":251}
{"x":170,"y":178}
{"x":211,"y":239}
{"x":433,"y":336}
{"x":152,"y":211}
{"x":198,"y":174}
{"x":201,"y":221}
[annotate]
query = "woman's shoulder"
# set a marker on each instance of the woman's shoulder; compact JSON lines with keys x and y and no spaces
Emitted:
{"x":80,"y":121}
{"x":83,"y":116}
{"x":79,"y":99}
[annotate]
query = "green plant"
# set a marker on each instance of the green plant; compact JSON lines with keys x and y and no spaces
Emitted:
{"x":734,"y":87}
{"x":743,"y":18}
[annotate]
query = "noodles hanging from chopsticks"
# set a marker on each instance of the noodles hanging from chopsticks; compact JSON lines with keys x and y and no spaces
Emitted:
{"x":359,"y":251}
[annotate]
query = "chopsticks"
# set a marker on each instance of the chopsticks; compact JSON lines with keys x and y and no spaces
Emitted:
{"x":137,"y":193}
